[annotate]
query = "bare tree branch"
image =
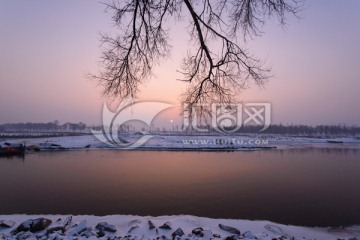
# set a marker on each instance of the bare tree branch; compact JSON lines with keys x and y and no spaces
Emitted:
{"x":216,"y":69}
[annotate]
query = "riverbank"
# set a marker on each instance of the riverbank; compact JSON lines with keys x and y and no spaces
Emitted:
{"x":164,"y":227}
{"x":184,"y":142}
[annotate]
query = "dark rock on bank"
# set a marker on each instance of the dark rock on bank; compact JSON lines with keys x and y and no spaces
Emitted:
{"x":151,"y":225}
{"x":32,"y":225}
{"x":67,"y":222}
{"x":179,"y":232}
{"x":40,"y":224}
{"x":107,"y":227}
{"x":6,"y":224}
{"x":166,"y":226}
{"x":234,"y":237}
{"x":198,"y":231}
{"x":229,"y":229}
{"x":133,"y":228}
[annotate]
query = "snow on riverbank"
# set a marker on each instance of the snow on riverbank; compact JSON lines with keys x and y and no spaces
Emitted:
{"x":137,"y":228}
{"x":196,"y":142}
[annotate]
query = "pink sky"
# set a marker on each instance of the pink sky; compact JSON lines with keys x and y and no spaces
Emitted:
{"x":47,"y":47}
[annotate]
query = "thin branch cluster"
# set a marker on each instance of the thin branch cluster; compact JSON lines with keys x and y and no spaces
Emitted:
{"x":129,"y":58}
{"x":216,"y":66}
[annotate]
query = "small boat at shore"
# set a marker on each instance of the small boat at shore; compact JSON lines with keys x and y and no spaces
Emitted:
{"x":10,"y":149}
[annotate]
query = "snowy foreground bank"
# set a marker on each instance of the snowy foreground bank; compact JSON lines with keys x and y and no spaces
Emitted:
{"x":160,"y":228}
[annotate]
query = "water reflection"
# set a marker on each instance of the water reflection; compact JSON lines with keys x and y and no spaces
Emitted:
{"x":329,"y":151}
{"x":309,"y":186}
{"x":12,"y":157}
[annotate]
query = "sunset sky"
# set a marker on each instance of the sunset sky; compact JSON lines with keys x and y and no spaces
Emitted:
{"x":48,"y":47}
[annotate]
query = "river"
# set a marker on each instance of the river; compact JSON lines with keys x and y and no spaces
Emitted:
{"x":306,"y":186}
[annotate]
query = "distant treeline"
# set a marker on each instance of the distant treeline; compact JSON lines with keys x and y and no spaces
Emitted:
{"x":305,"y":130}
{"x":50,"y":126}
{"x":293,"y":130}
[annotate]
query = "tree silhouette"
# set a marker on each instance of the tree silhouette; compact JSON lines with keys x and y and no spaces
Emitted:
{"x":216,"y":67}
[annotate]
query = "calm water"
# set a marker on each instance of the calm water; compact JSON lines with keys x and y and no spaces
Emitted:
{"x":313,"y":187}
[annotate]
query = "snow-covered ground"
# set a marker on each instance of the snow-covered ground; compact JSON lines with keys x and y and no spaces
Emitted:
{"x":195,"y":142}
{"x":137,"y":228}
